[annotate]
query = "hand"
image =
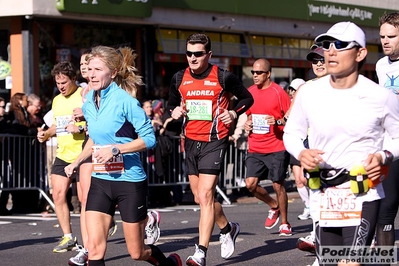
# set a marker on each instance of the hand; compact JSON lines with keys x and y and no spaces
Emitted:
{"x":103,"y":155}
{"x":178,"y":112}
{"x":72,"y":128}
{"x":373,"y":166}
{"x":226,"y":116}
{"x":248,"y":126}
{"x":271,"y":120}
{"x":310,"y":158}
{"x":41,"y":136}
{"x":70,"y":169}
{"x":77,"y":114}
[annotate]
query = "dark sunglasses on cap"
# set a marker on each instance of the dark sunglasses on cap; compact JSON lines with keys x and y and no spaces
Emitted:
{"x":338,"y":45}
{"x":196,"y":54}
{"x":315,"y":61}
{"x":258,"y":72}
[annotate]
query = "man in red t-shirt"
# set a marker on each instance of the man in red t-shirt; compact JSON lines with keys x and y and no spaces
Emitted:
{"x":267,"y":157}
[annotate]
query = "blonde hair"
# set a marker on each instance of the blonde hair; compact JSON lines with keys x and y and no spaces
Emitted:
{"x":121,"y":59}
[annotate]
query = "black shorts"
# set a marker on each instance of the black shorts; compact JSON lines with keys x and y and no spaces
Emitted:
{"x":131,"y":198}
{"x":58,"y":169}
{"x":88,"y":160}
{"x":272,"y":165}
{"x":294,"y":161}
{"x":205,"y":157}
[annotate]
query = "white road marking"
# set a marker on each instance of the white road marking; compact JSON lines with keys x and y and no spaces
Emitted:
{"x":12,"y":217}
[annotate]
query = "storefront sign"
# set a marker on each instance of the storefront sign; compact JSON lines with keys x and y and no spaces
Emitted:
{"x":310,"y":10}
{"x":128,"y":8}
{"x":5,"y":69}
{"x":340,"y":11}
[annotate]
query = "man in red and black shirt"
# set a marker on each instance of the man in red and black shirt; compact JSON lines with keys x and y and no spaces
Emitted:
{"x":200,"y":94}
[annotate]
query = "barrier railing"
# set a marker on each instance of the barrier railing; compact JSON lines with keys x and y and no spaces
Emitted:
{"x":23,"y":166}
{"x":173,"y":168}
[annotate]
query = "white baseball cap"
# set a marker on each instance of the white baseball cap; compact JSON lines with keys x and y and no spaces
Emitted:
{"x":296,"y":83}
{"x":344,"y":31}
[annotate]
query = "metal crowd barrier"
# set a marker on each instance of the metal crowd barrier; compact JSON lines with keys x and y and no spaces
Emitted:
{"x":23,"y":166}
{"x":170,"y":170}
{"x":232,"y":176}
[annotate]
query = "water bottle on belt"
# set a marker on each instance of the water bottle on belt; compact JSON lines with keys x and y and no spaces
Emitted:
{"x":359,"y":180}
{"x":313,"y":177}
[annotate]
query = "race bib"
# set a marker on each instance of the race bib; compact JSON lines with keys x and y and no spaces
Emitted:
{"x":259,"y":124}
{"x":199,"y":109}
{"x":339,"y":207}
{"x":113,"y":166}
{"x":61,"y":123}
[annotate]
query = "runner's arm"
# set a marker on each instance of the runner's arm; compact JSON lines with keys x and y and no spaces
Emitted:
{"x":245,"y":99}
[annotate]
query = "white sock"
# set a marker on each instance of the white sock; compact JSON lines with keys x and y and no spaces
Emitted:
{"x":304,"y":194}
{"x":68,"y":235}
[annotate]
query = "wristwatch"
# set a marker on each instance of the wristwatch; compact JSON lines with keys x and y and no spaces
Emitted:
{"x":387,"y":157}
{"x":115,"y":151}
{"x":81,"y":129}
{"x":279,"y":122}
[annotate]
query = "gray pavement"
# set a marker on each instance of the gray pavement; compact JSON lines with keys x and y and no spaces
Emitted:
{"x":28,"y":239}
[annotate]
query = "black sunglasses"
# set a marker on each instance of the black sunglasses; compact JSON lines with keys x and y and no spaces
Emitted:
{"x":258,"y":72}
{"x":196,"y":54}
{"x":315,"y":61}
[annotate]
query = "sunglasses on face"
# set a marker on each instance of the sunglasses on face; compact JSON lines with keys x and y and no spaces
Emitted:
{"x":338,"y":45}
{"x":258,"y":72}
{"x":315,"y":61}
{"x":196,"y":54}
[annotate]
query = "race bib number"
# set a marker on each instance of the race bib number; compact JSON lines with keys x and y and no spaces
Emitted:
{"x":61,"y":123}
{"x":259,"y":124}
{"x":113,"y":166}
{"x":339,"y":207}
{"x":199,"y":109}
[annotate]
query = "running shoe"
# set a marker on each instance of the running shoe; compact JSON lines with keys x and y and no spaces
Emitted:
{"x":65,"y":244}
{"x":81,"y":258}
{"x":227,"y":241}
{"x":315,"y":263}
{"x":305,"y":215}
{"x":175,"y":258}
{"x":198,"y":259}
{"x":272,"y":219}
{"x":307,"y":243}
{"x":285,"y":230}
{"x":152,"y":229}
{"x":113,"y":228}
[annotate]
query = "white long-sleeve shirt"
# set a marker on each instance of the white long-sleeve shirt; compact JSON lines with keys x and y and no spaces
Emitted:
{"x":347,"y":124}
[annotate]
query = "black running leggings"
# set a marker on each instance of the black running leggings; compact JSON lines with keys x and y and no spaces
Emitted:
{"x":389,"y":207}
{"x":355,"y":236}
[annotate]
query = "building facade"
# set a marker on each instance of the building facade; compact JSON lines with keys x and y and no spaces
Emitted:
{"x":35,"y":34}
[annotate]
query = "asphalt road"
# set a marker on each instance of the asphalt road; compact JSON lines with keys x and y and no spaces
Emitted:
{"x":28,"y":239}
